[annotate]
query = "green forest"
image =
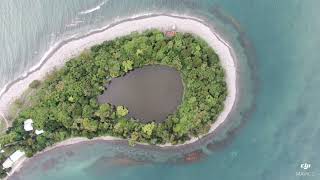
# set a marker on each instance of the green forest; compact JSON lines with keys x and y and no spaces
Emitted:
{"x":65,"y":103}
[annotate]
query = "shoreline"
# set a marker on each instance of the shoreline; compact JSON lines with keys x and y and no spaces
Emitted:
{"x":58,"y":45}
{"x":55,"y":58}
{"x":19,"y":164}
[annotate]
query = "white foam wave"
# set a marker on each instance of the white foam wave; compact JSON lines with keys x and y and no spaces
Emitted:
{"x":93,"y":9}
{"x":33,"y":68}
{"x":74,"y":23}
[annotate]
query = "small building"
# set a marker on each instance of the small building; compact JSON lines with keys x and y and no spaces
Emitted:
{"x":38,"y":132}
{"x":170,"y":33}
{"x":16,"y":155}
{"x":7,"y":164}
{"x":12,"y":159}
{"x":28,"y":125}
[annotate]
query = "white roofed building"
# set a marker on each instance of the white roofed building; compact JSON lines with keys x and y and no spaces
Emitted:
{"x":12,"y":159}
{"x":16,"y":155}
{"x":38,"y":132}
{"x":28,"y":125}
{"x":7,"y":164}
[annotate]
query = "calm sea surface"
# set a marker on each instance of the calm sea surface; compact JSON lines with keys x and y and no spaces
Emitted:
{"x":274,"y":128}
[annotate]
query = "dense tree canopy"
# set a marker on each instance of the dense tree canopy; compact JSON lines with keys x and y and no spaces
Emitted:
{"x":65,"y":104}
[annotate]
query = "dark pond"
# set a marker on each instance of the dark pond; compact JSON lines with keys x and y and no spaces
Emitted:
{"x":150,"y":93}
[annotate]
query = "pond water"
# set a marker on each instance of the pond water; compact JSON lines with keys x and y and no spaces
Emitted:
{"x":150,"y":93}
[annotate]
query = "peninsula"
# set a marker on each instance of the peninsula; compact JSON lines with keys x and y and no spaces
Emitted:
{"x":65,"y":89}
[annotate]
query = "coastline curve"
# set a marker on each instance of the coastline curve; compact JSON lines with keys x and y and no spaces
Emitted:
{"x":57,"y":56}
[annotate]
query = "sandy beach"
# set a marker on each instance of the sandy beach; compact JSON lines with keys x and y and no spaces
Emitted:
{"x":56,"y":58}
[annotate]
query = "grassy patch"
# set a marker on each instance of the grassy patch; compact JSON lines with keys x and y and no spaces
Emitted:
{"x":2,"y":125}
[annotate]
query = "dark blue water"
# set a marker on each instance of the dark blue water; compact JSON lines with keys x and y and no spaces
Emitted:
{"x":274,"y":129}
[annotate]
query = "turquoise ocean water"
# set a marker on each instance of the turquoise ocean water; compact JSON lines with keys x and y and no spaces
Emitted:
{"x":274,"y":129}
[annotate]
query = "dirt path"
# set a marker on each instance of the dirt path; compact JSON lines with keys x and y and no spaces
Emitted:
{"x":5,"y":120}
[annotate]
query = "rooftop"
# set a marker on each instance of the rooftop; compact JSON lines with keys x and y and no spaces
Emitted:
{"x":12,"y":159}
{"x":28,"y":125}
{"x":16,"y":155}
